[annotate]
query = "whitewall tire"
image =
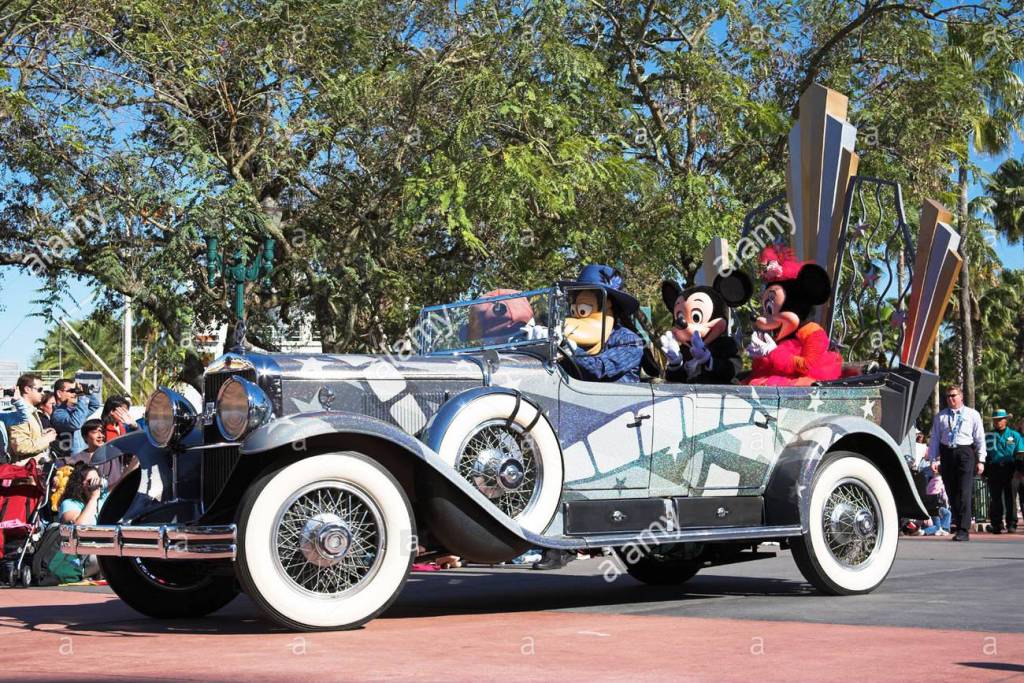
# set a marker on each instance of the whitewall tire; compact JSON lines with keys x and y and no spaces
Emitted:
{"x":516,"y":463}
{"x":853,"y":527}
{"x":325,"y":542}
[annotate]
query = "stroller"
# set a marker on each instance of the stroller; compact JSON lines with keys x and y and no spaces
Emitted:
{"x":25,"y":514}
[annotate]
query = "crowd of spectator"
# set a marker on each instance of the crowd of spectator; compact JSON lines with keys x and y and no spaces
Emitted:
{"x":65,"y":428}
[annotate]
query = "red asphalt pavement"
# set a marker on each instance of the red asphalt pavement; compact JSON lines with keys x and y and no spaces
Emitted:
{"x":74,"y":635}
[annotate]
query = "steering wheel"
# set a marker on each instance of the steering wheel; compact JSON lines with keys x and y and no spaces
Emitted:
{"x":566,"y":352}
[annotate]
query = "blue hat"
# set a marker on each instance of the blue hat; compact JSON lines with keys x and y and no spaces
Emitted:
{"x":1001,"y":415}
{"x":608,"y":279}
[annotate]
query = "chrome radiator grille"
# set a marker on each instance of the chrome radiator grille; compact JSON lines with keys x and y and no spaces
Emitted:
{"x":217,"y":466}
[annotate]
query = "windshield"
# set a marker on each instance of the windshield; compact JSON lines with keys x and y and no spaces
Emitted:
{"x":500,"y":319}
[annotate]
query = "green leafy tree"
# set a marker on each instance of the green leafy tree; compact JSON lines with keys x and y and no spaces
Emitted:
{"x":403,"y":153}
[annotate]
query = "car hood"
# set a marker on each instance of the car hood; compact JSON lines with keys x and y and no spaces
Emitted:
{"x":322,"y":366}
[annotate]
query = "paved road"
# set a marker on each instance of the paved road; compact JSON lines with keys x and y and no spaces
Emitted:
{"x":947,"y":611}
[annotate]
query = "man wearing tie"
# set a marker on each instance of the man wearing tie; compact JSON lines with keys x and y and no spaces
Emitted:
{"x":958,"y":440}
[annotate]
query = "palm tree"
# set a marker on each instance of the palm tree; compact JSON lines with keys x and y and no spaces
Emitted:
{"x":993,"y":101}
{"x":154,"y":356}
{"x":1006,"y":190}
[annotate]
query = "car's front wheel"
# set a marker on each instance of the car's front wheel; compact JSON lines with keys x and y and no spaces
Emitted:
{"x":162,"y":589}
{"x":325,"y":542}
{"x":853,"y":527}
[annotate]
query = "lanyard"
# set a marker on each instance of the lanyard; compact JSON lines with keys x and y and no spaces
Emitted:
{"x":956,"y":427}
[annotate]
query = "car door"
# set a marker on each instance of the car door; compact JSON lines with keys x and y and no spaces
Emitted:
{"x":605,"y":430}
{"x":712,"y":439}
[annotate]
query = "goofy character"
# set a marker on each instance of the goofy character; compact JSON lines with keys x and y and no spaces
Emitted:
{"x":787,"y":348}
{"x":697,"y":347}
{"x":599,"y":344}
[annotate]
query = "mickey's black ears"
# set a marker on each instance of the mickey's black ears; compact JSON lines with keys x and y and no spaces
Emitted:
{"x":814,"y":283}
{"x":670,"y":291}
{"x":735,"y":288}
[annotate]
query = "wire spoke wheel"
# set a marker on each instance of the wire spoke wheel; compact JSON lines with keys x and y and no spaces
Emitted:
{"x":328,"y":539}
{"x":501,"y":460}
{"x":850,"y":523}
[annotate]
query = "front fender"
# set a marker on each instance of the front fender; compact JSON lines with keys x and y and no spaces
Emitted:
{"x":787,"y":497}
{"x":286,"y":431}
{"x":155,"y":467}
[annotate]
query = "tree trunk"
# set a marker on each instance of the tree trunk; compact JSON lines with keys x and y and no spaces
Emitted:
{"x":966,"y":331}
{"x":936,"y":402}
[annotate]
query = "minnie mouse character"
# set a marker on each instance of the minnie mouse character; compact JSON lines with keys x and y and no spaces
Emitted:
{"x":697,"y":347}
{"x":797,"y":354}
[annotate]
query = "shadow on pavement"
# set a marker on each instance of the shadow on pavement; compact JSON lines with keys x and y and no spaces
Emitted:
{"x":459,"y":592}
{"x":994,"y":666}
{"x":489,"y":591}
{"x":113,"y":618}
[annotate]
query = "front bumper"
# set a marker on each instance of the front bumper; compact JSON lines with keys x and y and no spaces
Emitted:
{"x":165,"y":541}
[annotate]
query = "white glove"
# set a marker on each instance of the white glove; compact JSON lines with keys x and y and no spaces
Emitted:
{"x":534,"y":331}
{"x":699,"y":356}
{"x":761,"y":344}
{"x":670,"y":347}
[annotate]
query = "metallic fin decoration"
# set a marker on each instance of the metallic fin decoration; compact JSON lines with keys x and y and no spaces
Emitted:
{"x":939,"y":265}
{"x":814,"y":174}
{"x":948,"y":272}
{"x":936,"y":266}
{"x":828,"y":242}
{"x":716,"y":259}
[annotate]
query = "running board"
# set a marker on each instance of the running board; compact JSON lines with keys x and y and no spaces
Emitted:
{"x":656,"y":535}
{"x":166,"y":541}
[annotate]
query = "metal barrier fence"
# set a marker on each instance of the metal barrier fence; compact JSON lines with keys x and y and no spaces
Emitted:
{"x":980,"y":500}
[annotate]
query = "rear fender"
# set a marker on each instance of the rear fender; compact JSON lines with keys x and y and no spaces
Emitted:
{"x":787,"y":498}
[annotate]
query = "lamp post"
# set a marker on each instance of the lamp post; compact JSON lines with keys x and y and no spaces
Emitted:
{"x":237,"y":273}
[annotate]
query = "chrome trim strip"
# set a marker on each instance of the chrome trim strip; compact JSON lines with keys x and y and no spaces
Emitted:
{"x":652,"y":537}
{"x":166,"y":542}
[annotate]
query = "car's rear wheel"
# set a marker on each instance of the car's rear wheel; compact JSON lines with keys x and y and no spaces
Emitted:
{"x":853,"y":527}
{"x":325,"y":542}
{"x":667,"y":565}
{"x":509,"y":452}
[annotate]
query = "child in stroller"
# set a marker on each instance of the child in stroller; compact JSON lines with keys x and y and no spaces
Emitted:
{"x":25,"y":514}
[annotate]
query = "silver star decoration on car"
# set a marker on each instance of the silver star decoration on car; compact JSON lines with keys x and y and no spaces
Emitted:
{"x":620,"y":483}
{"x":310,"y":406}
{"x":313,"y":366}
{"x":868,"y":408}
{"x":816,"y":401}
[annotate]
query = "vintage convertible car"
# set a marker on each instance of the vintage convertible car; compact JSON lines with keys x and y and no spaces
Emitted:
{"x":309,"y":481}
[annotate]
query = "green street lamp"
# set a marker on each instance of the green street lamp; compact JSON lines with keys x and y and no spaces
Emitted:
{"x":236,"y":272}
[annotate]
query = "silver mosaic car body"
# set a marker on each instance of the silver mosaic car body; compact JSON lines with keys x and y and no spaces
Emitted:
{"x":496,"y":449}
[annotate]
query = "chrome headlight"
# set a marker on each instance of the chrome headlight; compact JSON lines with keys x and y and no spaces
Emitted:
{"x":169,"y":417}
{"x":241,"y":407}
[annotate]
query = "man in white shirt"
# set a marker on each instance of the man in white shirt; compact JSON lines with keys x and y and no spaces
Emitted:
{"x":958,"y":440}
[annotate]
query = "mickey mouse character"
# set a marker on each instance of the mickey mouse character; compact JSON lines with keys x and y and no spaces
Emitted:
{"x":797,"y":354}
{"x":697,"y":347}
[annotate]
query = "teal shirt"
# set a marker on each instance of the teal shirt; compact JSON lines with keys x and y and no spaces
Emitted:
{"x":1005,"y":445}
